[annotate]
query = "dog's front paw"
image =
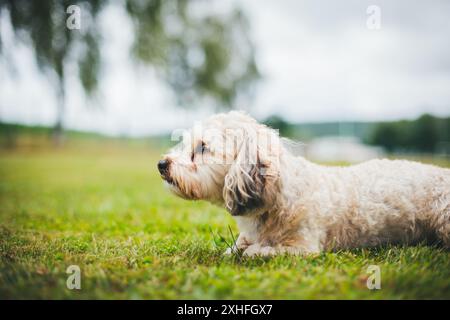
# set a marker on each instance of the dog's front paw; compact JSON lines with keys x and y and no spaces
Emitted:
{"x":232,"y":250}
{"x":257,"y":250}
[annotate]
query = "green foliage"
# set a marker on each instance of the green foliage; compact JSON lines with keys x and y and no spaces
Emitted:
{"x":101,"y":205}
{"x":306,"y":131}
{"x":425,"y":134}
{"x":42,"y":26}
{"x":199,"y":54}
{"x":387,"y":136}
{"x":284,"y":128}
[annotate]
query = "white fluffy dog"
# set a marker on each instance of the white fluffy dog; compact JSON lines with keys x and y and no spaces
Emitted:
{"x":285,"y":204}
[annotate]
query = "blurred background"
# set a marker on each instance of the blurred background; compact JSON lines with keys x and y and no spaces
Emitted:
{"x":353,"y":80}
{"x":90,"y":92}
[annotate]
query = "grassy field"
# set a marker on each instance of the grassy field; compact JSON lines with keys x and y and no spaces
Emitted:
{"x":102,"y":206}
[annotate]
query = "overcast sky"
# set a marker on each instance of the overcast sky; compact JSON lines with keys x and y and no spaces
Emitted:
{"x":319,"y":61}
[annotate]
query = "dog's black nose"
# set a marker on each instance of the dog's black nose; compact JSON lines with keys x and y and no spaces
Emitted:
{"x":163,"y":165}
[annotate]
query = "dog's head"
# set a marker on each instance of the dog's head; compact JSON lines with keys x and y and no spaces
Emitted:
{"x":229,"y":159}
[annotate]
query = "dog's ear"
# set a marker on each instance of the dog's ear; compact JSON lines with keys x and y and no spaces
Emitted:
{"x":250,"y":179}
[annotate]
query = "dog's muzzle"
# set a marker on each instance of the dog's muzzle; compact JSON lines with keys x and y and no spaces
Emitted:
{"x":163,"y":168}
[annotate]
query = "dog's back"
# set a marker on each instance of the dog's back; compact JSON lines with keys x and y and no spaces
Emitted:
{"x":396,"y":201}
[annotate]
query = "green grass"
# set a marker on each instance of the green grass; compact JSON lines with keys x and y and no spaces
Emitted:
{"x":103,"y":207}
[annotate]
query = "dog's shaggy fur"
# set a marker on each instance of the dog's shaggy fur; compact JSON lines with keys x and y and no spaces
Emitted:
{"x":285,"y":204}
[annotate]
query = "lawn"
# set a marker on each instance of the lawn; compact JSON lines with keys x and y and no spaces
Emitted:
{"x":102,"y":206}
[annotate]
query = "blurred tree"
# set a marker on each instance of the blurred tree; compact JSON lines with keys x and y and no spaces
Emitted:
{"x":201,"y":55}
{"x":425,"y":133}
{"x":198,"y":53}
{"x":421,"y":135}
{"x":42,"y":26}
{"x":385,"y":134}
{"x":285,"y":128}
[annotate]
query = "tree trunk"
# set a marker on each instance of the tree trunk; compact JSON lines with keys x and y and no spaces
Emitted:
{"x":58,"y":129}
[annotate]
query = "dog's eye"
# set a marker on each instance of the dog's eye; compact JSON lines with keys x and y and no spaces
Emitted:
{"x":201,"y":148}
